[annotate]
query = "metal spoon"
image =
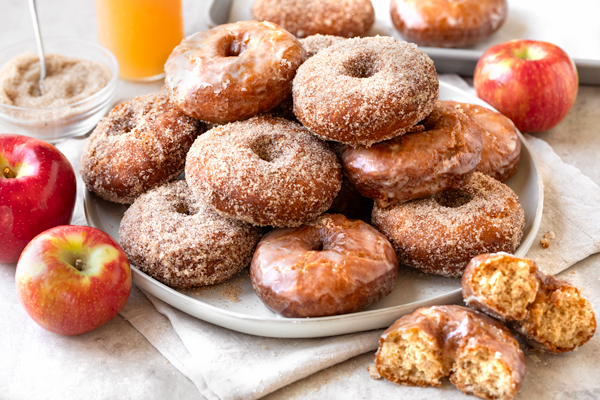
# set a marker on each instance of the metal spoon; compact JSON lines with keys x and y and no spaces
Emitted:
{"x":40,"y":46}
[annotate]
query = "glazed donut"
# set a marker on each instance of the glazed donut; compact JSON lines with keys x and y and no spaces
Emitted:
{"x":447,"y":23}
{"x":139,"y":145}
{"x":330,"y":266}
{"x":442,"y":156}
{"x":181,"y":242}
{"x":440,"y":234}
{"x":550,"y":312}
{"x":479,"y":354}
{"x":501,"y":143}
{"x":315,"y":43}
{"x":347,"y":18}
{"x":365,"y":90}
{"x":234,"y":71}
{"x":265,"y":171}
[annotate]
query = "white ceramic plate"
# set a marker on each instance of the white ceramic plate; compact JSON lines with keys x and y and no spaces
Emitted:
{"x":234,"y":305}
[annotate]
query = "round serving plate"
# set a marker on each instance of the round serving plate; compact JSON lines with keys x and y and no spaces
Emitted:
{"x":234,"y":305}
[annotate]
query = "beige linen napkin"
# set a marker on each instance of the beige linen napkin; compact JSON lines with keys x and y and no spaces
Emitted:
{"x":224,"y":364}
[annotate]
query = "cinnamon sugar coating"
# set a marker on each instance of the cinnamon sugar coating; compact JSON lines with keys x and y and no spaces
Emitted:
{"x":440,"y":234}
{"x":234,"y":71}
{"x":347,"y":18}
{"x":315,"y":43}
{"x":441,"y":155}
{"x":330,"y":266}
{"x":178,"y":240}
{"x":477,"y":353}
{"x":365,"y":90}
{"x":447,"y":23}
{"x":551,"y":313}
{"x":501,"y":143}
{"x":265,"y":171}
{"x":139,"y":145}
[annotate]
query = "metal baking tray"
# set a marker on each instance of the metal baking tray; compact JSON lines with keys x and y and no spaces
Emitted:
{"x":447,"y":61}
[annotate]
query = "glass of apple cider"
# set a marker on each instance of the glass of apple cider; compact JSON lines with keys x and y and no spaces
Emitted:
{"x":140,"y":33}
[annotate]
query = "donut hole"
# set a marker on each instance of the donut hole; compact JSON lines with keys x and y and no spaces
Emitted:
{"x":231,"y":46}
{"x":362,"y":66}
{"x":266,"y":148}
{"x":453,"y":199}
{"x":182,"y":208}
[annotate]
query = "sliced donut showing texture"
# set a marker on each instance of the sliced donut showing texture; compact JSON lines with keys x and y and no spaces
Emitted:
{"x":477,"y":353}
{"x":551,"y":313}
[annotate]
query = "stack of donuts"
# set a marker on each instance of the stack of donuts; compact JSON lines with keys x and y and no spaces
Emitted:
{"x":364,"y":125}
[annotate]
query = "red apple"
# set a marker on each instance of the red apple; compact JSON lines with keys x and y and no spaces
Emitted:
{"x":72,"y":279}
{"x":37,"y":191}
{"x":533,"y":83}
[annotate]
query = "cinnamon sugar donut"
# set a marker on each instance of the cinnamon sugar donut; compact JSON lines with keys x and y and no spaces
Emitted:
{"x":479,"y":354}
{"x":442,"y":156}
{"x":550,"y":312}
{"x":365,"y":90}
{"x":447,"y":23}
{"x":176,"y":239}
{"x":501,"y":143}
{"x":315,"y":43}
{"x":265,"y":171}
{"x":330,"y":266}
{"x":139,"y":145}
{"x":302,"y":18}
{"x":233,"y":71}
{"x":440,"y":234}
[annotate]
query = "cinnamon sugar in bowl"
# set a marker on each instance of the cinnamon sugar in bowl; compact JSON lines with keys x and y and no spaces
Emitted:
{"x":80,"y":85}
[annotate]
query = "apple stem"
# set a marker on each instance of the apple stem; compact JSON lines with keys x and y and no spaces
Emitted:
{"x":8,"y":173}
{"x":79,"y":264}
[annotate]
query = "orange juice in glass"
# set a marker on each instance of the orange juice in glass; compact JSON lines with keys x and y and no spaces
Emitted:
{"x":140,"y":33}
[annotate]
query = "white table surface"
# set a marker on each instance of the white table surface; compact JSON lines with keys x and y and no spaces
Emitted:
{"x":116,"y":361}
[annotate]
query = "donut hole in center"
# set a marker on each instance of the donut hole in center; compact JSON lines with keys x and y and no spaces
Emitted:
{"x":361,"y":66}
{"x":453,"y":199}
{"x":232,"y":46}
{"x":266,"y":149}
{"x":182,"y":208}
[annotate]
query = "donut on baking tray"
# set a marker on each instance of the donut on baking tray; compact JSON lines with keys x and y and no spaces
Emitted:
{"x":365,"y":90}
{"x":440,"y":155}
{"x":176,"y":239}
{"x":440,"y":234}
{"x":479,"y":354}
{"x":550,"y":312}
{"x":330,"y":266}
{"x":447,"y":23}
{"x":265,"y":171}
{"x":347,"y":18}
{"x":234,"y":71}
{"x":501,"y":143}
{"x":139,"y":145}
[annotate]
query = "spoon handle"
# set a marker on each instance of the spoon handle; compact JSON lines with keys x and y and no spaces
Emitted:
{"x":38,"y":39}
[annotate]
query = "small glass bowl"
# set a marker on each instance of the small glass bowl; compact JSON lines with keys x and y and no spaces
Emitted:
{"x":54,"y":124}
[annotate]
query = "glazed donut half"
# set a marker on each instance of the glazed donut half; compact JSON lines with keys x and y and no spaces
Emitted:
{"x":479,"y":354}
{"x":365,"y":90}
{"x":550,"y":312}
{"x":440,"y":234}
{"x":265,"y":171}
{"x":330,"y":266}
{"x":234,"y":71}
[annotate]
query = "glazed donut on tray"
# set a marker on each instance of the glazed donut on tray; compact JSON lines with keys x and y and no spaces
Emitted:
{"x":550,"y":312}
{"x":365,"y":90}
{"x":501,"y":143}
{"x":139,"y":145}
{"x":233,"y":71}
{"x":315,"y":43}
{"x":265,"y":171}
{"x":447,"y":23}
{"x":442,"y":156}
{"x":176,"y":239}
{"x":479,"y":354}
{"x":440,"y":234}
{"x":330,"y":266}
{"x":302,"y":18}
